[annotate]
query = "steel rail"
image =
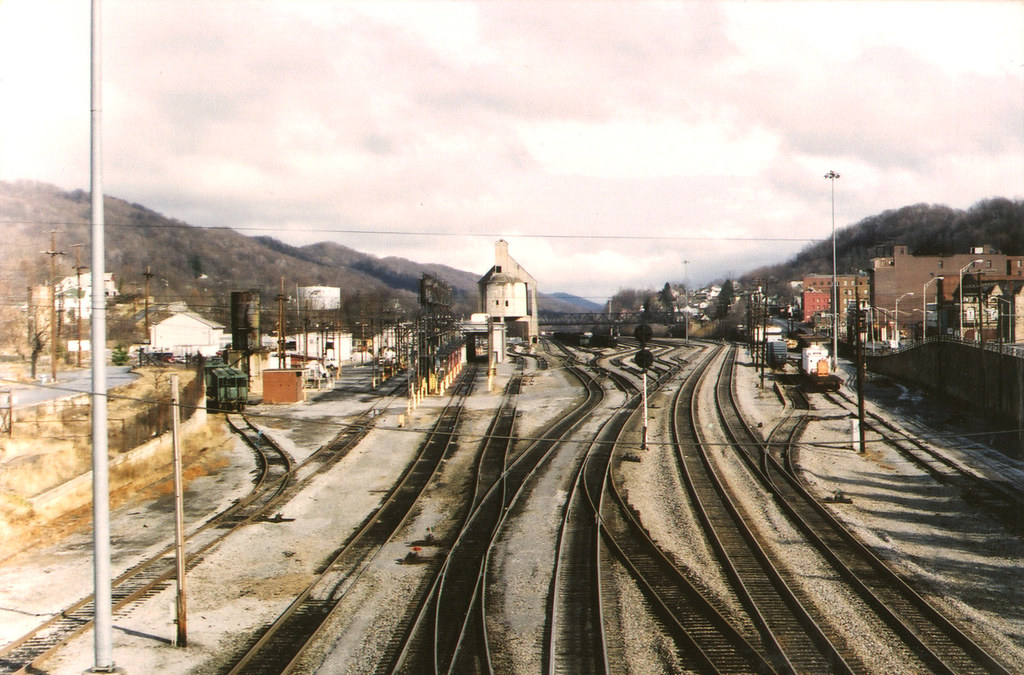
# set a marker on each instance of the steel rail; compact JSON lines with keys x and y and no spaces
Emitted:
{"x":411,"y":642}
{"x":997,"y":496}
{"x":792,"y":640}
{"x":576,"y":639}
{"x":151,"y":574}
{"x":278,"y":648}
{"x":926,"y":632}
{"x":467,"y":560}
{"x":707,"y":641}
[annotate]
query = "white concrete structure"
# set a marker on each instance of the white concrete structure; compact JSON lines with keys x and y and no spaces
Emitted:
{"x":319,"y":297}
{"x":187,"y":333}
{"x":508,"y":293}
{"x":478,"y":341}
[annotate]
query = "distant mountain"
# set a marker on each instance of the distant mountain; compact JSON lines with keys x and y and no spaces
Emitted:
{"x":581,"y":304}
{"x":925,"y":229}
{"x":201,"y":266}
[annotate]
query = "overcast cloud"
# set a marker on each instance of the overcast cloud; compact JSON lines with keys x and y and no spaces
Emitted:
{"x":657,"y":132}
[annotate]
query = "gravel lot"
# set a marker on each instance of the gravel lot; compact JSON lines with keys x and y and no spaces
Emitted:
{"x":972,"y":568}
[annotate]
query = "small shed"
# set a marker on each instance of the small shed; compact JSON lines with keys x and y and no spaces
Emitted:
{"x":283,"y":386}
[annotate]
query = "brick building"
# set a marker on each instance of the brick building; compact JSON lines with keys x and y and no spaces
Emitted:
{"x":895,"y":273}
{"x":817,"y":295}
{"x":991,"y":307}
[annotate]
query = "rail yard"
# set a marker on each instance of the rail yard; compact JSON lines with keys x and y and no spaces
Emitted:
{"x":547,"y":524}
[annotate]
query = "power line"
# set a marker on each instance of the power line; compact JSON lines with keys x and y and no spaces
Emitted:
{"x":407,"y":233}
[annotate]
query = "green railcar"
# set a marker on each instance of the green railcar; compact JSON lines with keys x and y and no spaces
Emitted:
{"x":226,"y":388}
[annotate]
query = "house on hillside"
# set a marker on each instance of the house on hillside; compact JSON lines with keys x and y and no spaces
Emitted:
{"x":74,"y":295}
{"x":185,"y":333}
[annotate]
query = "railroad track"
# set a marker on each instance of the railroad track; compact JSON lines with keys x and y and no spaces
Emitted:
{"x":274,"y":468}
{"x":705,"y":640}
{"x":450,"y":629}
{"x":413,"y":642}
{"x":278,"y":647}
{"x":274,"y":482}
{"x":790,"y":639}
{"x":576,"y":639}
{"x":913,"y":626}
{"x":1000,"y":498}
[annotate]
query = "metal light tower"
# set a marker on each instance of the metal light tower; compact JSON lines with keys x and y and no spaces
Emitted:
{"x":832,"y":176}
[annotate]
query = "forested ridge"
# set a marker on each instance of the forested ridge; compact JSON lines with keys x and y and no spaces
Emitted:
{"x":925,"y":229}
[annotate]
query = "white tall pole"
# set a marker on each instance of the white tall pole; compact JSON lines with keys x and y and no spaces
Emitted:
{"x":832,"y":176}
{"x":103,"y":636}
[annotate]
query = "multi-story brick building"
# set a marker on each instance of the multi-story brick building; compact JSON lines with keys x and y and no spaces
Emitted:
{"x":817,"y":295}
{"x":896,"y":274}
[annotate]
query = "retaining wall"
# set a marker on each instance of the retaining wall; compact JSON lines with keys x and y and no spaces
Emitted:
{"x":124,"y":467}
{"x":990,"y":384}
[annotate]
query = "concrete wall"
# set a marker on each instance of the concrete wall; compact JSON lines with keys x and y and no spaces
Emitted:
{"x":987,"y":382}
{"x":77,"y":492}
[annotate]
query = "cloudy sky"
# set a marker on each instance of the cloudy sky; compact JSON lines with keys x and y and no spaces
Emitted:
{"x":606,"y":141}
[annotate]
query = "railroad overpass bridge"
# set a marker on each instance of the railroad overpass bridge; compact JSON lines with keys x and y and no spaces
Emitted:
{"x":602,"y":319}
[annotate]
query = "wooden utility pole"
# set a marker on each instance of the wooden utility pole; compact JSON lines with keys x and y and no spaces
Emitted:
{"x":78,"y":292}
{"x":148,"y":275}
{"x":281,"y":297}
{"x":181,"y":638}
{"x":53,"y":253}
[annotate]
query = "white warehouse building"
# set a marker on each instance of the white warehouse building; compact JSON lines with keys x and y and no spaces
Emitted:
{"x":187,"y":333}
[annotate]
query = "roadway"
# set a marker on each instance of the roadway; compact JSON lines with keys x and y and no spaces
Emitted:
{"x":69,"y":383}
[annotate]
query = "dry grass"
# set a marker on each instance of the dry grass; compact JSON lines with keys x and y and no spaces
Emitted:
{"x":204,"y":453}
{"x":51,"y":446}
{"x":34,"y":461}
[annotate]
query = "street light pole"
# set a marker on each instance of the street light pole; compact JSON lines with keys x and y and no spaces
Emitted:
{"x":924,"y":307}
{"x":832,"y":176}
{"x":960,"y":289}
{"x":896,"y":316}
